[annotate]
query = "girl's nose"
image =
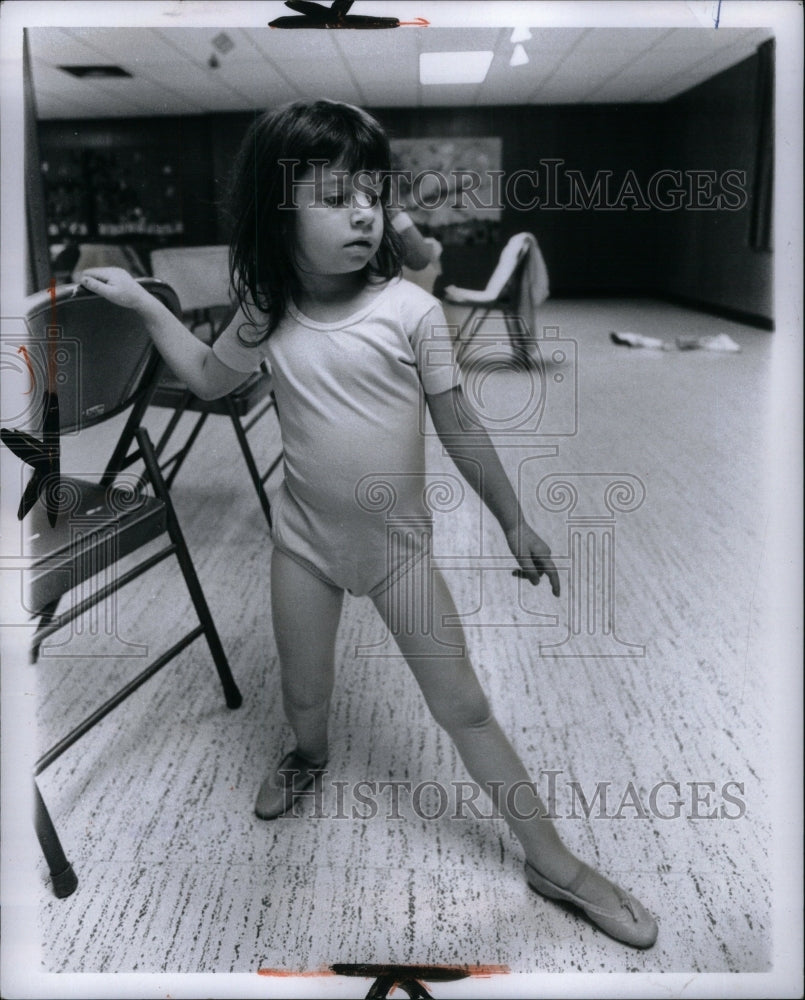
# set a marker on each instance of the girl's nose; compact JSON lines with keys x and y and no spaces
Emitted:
{"x":362,"y":207}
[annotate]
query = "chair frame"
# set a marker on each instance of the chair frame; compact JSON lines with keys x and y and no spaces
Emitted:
{"x":63,"y":878}
{"x":501,"y":303}
{"x":236,"y":405}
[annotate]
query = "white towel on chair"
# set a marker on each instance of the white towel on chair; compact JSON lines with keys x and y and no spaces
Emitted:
{"x":534,"y":288}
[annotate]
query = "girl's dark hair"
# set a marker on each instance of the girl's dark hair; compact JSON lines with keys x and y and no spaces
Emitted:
{"x":278,"y":147}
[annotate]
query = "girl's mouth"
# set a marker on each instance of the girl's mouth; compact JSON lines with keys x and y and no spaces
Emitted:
{"x":363,"y":242}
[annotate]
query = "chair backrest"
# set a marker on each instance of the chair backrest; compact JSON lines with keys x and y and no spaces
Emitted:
{"x":198,"y":275}
{"x":511,"y":289}
{"x":97,"y":357}
{"x":108,"y":255}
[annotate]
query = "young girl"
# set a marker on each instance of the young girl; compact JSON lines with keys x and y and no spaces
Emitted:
{"x":315,"y":265}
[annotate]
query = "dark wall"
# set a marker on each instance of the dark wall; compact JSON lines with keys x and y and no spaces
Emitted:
{"x":707,"y":255}
{"x":612,"y":246}
{"x":587,"y":252}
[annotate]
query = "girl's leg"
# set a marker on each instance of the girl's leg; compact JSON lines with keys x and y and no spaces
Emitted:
{"x":457,"y":702}
{"x":305,"y":612}
{"x":441,"y":665}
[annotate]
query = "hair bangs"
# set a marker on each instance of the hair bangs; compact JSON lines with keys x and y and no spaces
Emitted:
{"x":261,"y":256}
{"x":342,"y":135}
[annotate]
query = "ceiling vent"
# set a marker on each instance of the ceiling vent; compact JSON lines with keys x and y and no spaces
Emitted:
{"x":95,"y":72}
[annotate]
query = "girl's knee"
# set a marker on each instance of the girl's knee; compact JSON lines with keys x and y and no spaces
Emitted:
{"x":463,"y":711}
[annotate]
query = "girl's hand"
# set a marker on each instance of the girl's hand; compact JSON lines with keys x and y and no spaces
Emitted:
{"x":116,"y":285}
{"x":533,"y":555}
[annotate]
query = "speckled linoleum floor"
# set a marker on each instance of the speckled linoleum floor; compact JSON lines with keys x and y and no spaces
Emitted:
{"x":660,"y":729}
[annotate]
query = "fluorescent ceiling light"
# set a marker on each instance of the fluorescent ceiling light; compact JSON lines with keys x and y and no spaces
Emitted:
{"x":520,"y":35}
{"x":454,"y":67}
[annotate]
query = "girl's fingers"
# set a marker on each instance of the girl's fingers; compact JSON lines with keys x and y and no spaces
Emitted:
{"x":550,"y":572}
{"x":92,"y":283}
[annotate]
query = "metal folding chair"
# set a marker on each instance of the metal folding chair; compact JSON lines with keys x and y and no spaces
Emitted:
{"x":200,"y":277}
{"x":76,"y":528}
{"x":506,"y":300}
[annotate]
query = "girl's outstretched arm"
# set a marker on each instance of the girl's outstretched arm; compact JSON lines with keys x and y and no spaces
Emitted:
{"x":477,"y":460}
{"x":419,"y":251}
{"x":190,"y":359}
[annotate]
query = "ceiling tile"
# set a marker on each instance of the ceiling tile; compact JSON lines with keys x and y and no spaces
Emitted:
{"x":597,"y":40}
{"x":553,"y":39}
{"x":124,"y":45}
{"x":258,"y":83}
{"x":148,"y":97}
{"x":450,"y":95}
{"x":58,"y":47}
{"x":50,"y":105}
{"x":461,"y":39}
{"x":197,"y":82}
{"x":197,"y":43}
{"x":703,"y":39}
{"x":300,"y":47}
{"x":393,"y":95}
{"x":379,"y":69}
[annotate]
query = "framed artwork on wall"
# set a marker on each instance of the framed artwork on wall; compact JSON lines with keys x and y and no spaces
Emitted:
{"x":439,"y":187}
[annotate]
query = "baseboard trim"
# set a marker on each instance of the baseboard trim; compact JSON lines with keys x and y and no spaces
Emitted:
{"x":715,"y":309}
{"x":689,"y":302}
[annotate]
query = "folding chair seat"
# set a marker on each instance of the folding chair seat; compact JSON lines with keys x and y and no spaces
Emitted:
{"x":76,"y":530}
{"x":517,"y":286}
{"x":200,"y":277}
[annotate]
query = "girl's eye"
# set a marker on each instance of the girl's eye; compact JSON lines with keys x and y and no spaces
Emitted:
{"x":333,"y":200}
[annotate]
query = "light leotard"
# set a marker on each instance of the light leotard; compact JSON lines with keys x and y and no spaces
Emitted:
{"x":350,"y":403}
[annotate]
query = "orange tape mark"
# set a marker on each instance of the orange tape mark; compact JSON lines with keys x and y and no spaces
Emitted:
{"x":283,"y":973}
{"x":23,"y":350}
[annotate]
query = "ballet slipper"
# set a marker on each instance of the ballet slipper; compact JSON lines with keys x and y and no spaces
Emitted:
{"x":293,"y":775}
{"x":629,"y":922}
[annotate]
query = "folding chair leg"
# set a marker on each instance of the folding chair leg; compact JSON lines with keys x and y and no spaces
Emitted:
{"x":251,"y":465}
{"x":173,"y":423}
{"x":182,"y":454}
{"x":463,"y":339}
{"x":45,"y":617}
{"x":119,"y":459}
{"x":233,"y":696}
{"x":177,"y":461}
{"x":61,"y":871}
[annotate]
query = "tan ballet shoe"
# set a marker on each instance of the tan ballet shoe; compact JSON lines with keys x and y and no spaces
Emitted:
{"x":630,"y":922}
{"x":293,"y":775}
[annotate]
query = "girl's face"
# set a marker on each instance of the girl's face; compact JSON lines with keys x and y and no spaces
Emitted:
{"x":339,"y":220}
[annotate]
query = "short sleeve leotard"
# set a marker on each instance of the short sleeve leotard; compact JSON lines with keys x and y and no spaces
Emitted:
{"x":350,"y":405}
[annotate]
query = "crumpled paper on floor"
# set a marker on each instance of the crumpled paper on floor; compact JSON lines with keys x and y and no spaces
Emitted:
{"x":721,"y":342}
{"x":715,"y":342}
